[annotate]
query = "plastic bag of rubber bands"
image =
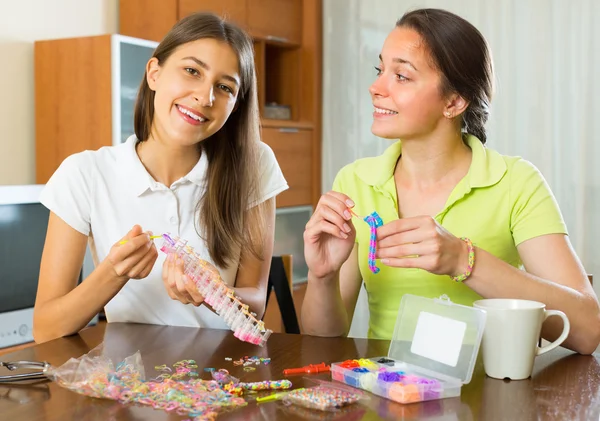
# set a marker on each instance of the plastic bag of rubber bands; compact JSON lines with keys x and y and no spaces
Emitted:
{"x":327,"y":396}
{"x":177,"y":389}
{"x":94,"y":374}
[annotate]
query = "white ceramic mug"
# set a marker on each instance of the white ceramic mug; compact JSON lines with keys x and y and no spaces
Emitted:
{"x":511,"y":335}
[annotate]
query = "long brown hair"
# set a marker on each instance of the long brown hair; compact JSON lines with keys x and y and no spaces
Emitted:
{"x":232,"y":152}
{"x":461,"y":54}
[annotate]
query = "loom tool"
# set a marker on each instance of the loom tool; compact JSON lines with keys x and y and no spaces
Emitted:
{"x":217,"y":293}
{"x":308,"y":369}
{"x":152,"y":237}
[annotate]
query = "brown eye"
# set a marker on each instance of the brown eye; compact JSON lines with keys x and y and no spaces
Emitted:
{"x":226,"y":89}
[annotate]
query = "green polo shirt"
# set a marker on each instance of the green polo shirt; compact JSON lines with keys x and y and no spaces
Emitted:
{"x":501,"y":202}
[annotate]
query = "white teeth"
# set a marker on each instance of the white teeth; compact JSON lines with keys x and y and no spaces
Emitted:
{"x":384,"y":111}
{"x":191,"y":114}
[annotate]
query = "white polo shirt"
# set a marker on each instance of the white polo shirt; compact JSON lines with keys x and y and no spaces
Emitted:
{"x":104,"y":193}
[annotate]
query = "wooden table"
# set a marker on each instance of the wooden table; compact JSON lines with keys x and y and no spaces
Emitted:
{"x":564,"y":386}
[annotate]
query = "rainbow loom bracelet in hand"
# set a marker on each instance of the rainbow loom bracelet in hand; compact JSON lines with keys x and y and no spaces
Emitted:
{"x":471,"y":249}
{"x":374,"y":221}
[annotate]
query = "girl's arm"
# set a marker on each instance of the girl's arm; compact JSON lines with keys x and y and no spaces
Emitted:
{"x":334,"y":278}
{"x":329,"y":303}
{"x":554,"y":276}
{"x":62,"y":307}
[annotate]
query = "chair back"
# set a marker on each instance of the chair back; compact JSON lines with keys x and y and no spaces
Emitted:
{"x":280,"y":282}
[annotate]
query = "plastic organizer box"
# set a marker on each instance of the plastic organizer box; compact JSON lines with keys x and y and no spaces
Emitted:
{"x":431,"y":355}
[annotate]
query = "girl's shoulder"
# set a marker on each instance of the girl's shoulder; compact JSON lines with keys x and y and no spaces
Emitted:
{"x":104,"y":160}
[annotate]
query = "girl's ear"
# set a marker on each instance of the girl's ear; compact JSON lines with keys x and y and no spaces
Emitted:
{"x":455,"y":106}
{"x":152,"y":73}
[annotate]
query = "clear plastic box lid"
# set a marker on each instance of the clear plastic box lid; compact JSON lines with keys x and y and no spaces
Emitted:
{"x":437,"y":336}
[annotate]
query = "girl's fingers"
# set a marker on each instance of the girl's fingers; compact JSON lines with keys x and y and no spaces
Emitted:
{"x":192,"y":290}
{"x":406,"y":262}
{"x":329,"y":215}
{"x":338,"y":202}
{"x":400,"y":226}
{"x":124,"y":264}
{"x":404,"y":250}
{"x":406,"y":237}
{"x":144,"y":266}
{"x":180,"y":283}
{"x":324,"y":227}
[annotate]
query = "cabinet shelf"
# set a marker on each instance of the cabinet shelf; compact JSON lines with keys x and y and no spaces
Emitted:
{"x":85,"y":91}
{"x":269,"y":122}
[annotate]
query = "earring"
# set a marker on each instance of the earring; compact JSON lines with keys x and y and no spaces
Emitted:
{"x":447,"y":114}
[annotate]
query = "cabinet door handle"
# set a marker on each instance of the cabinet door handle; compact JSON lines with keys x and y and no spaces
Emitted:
{"x":288,"y":130}
{"x":278,"y":39}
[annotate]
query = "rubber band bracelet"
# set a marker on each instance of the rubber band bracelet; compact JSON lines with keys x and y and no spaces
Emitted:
{"x":463,"y":277}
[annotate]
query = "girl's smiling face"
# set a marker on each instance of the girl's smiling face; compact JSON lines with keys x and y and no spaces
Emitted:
{"x":406,"y":94}
{"x":196,"y":89}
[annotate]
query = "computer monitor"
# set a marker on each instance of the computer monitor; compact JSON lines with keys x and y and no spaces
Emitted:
{"x":289,"y":230}
{"x":23,"y":226}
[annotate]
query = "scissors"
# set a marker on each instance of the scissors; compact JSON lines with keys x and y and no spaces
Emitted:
{"x":42,"y":368}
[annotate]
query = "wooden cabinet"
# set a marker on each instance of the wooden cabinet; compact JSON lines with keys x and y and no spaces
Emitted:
{"x":233,"y":10}
{"x":271,"y":20}
{"x":147,"y":19}
{"x":276,"y":20}
{"x":85,"y":91}
{"x":293,"y":149}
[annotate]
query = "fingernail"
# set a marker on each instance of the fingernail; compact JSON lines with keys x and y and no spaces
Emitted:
{"x":347,"y":214}
{"x":343,"y":234}
{"x":350,"y":203}
{"x":347,"y":228}
{"x":385,"y":261}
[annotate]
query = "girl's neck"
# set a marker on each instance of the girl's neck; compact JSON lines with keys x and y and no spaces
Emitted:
{"x":425,"y":163}
{"x":166,"y":163}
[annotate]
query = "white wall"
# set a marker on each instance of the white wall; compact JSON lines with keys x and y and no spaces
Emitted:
{"x":21,"y":23}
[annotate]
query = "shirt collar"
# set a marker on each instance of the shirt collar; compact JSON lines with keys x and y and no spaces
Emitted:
{"x":487,"y":167}
{"x":138,"y":178}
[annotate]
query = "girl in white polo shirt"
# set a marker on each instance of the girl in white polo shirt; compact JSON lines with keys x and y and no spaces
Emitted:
{"x":195,"y":168}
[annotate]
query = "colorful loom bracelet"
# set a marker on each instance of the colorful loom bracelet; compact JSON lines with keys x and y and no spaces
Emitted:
{"x":463,"y":277}
{"x":374,"y":221}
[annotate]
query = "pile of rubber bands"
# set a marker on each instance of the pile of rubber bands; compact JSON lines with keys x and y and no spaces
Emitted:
{"x":176,"y":389}
{"x":233,"y":385}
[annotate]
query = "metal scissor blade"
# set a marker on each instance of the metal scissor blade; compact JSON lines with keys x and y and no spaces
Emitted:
{"x":21,"y":377}
{"x":41,"y":368}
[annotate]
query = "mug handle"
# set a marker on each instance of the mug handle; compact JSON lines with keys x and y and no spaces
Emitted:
{"x":563,"y":335}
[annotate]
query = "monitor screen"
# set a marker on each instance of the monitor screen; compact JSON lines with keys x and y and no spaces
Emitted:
{"x":22,"y":232}
{"x":289,"y":230}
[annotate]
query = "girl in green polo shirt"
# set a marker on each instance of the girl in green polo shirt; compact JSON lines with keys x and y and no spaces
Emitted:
{"x":458,"y":218}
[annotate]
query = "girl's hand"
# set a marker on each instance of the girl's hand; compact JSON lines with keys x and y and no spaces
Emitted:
{"x":329,"y":235}
{"x":179,"y":286}
{"x":135,"y":258}
{"x":420,"y":242}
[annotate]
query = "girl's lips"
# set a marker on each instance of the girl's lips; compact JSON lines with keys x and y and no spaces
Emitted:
{"x":191,"y":116}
